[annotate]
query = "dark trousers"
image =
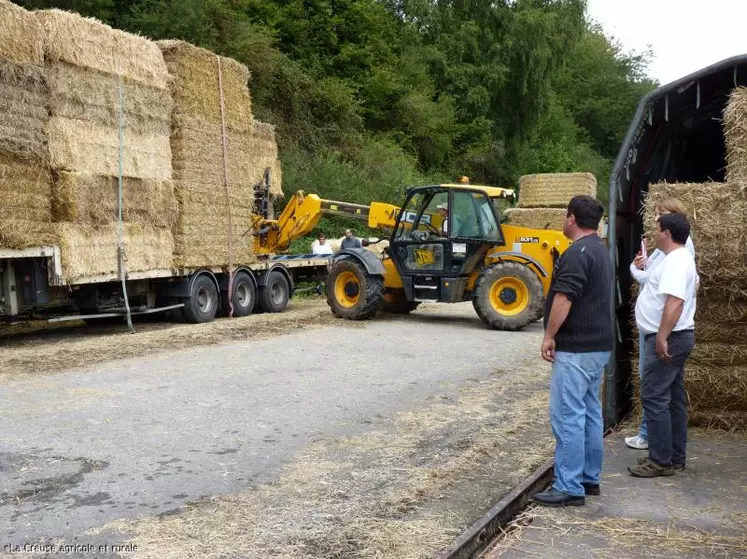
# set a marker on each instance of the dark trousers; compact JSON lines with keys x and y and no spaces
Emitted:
{"x":664,"y":398}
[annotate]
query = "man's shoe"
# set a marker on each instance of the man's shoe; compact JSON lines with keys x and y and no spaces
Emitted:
{"x":592,"y":488}
{"x":637,"y":442}
{"x":555,"y":498}
{"x":647,"y":468}
{"x":642,"y":460}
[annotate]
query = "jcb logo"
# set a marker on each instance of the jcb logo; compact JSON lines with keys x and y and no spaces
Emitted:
{"x":424,"y":257}
{"x":410,"y":216}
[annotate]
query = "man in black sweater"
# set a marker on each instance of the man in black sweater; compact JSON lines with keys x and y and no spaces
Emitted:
{"x":578,"y":342}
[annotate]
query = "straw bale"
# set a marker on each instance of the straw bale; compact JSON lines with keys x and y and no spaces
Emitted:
{"x":89,"y":43}
{"x":716,"y":388}
{"x":264,"y":154}
{"x":719,"y":354}
{"x":25,"y":191}
{"x":196,"y":86}
{"x":735,"y":134}
{"x":22,"y":38}
{"x":89,"y":95}
{"x":719,"y":331}
{"x":536,"y":218}
{"x":72,"y":143}
{"x":197,"y":150}
{"x":93,"y":199}
{"x":17,"y":233}
{"x":718,"y":217}
{"x":87,"y":250}
{"x":713,"y":419}
{"x":276,"y":181}
{"x":554,"y":190}
{"x":23,"y":97}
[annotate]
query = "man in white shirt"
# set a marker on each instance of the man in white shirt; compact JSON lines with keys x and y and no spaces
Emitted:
{"x":639,"y":269}
{"x":665,"y":314}
{"x":321,"y":247}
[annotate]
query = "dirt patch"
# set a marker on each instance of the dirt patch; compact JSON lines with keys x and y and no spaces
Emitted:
{"x":31,"y":352}
{"x":386,"y":493}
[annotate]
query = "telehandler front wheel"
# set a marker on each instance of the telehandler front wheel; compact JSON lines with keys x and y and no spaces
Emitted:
{"x":352,"y":292}
{"x":508,"y":296}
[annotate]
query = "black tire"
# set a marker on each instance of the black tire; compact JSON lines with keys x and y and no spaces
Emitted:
{"x":243,"y":295}
{"x":508,"y":296}
{"x":352,"y":292}
{"x":203,"y":302}
{"x":275,"y":294}
{"x":398,"y":304}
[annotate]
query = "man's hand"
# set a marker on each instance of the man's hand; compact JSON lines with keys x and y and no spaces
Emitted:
{"x":548,"y":349}
{"x":638,"y":261}
{"x":662,"y":349}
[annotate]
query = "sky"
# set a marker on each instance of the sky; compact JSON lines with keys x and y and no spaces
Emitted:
{"x":685,"y":35}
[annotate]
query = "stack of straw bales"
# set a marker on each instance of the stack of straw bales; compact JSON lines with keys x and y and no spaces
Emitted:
{"x":201,"y":232}
{"x":716,"y":374}
{"x":86,"y":62}
{"x":543,"y":198}
{"x":25,"y":180}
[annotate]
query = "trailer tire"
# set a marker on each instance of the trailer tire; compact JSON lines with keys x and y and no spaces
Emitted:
{"x":508,"y":296}
{"x":275,"y":294}
{"x":203,"y":301}
{"x":243,"y":296}
{"x":352,"y":292}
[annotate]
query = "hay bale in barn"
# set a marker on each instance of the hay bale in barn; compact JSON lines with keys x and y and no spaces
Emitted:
{"x":735,"y":135}
{"x":87,"y":250}
{"x":554,"y":190}
{"x":716,"y":212}
{"x":22,"y":39}
{"x":93,"y":199}
{"x":536,"y":218}
{"x":89,"y":43}
{"x":195,"y":88}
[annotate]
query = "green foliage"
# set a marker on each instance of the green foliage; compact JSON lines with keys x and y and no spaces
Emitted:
{"x":371,"y":96}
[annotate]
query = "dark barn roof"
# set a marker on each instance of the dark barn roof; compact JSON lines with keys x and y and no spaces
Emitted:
{"x":676,"y":135}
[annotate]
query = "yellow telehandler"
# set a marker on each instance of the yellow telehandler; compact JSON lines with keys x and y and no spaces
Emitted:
{"x":446,"y":244}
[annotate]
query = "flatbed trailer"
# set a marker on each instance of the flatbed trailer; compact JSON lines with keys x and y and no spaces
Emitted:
{"x":32,"y":286}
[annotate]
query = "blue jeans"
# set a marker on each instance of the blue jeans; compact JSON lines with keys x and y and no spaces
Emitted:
{"x":576,"y":419}
{"x":643,"y":430}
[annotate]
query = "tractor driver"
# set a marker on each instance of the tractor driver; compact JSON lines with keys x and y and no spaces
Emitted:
{"x":443,"y":209}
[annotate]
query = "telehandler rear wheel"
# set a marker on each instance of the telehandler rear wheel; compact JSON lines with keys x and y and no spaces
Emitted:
{"x":508,"y":296}
{"x":352,"y":292}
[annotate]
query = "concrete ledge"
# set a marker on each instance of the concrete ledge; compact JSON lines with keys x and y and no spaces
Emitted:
{"x":482,"y":532}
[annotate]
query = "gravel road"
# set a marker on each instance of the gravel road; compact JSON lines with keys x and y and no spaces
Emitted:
{"x":114,"y":452}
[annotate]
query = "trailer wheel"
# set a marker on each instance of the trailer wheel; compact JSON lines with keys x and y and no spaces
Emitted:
{"x":352,"y":292}
{"x":243,"y":296}
{"x":202,"y":303}
{"x":508,"y":296}
{"x":274,"y":296}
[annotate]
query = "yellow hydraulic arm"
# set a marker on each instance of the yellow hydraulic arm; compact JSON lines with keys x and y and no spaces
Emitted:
{"x":301,"y":214}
